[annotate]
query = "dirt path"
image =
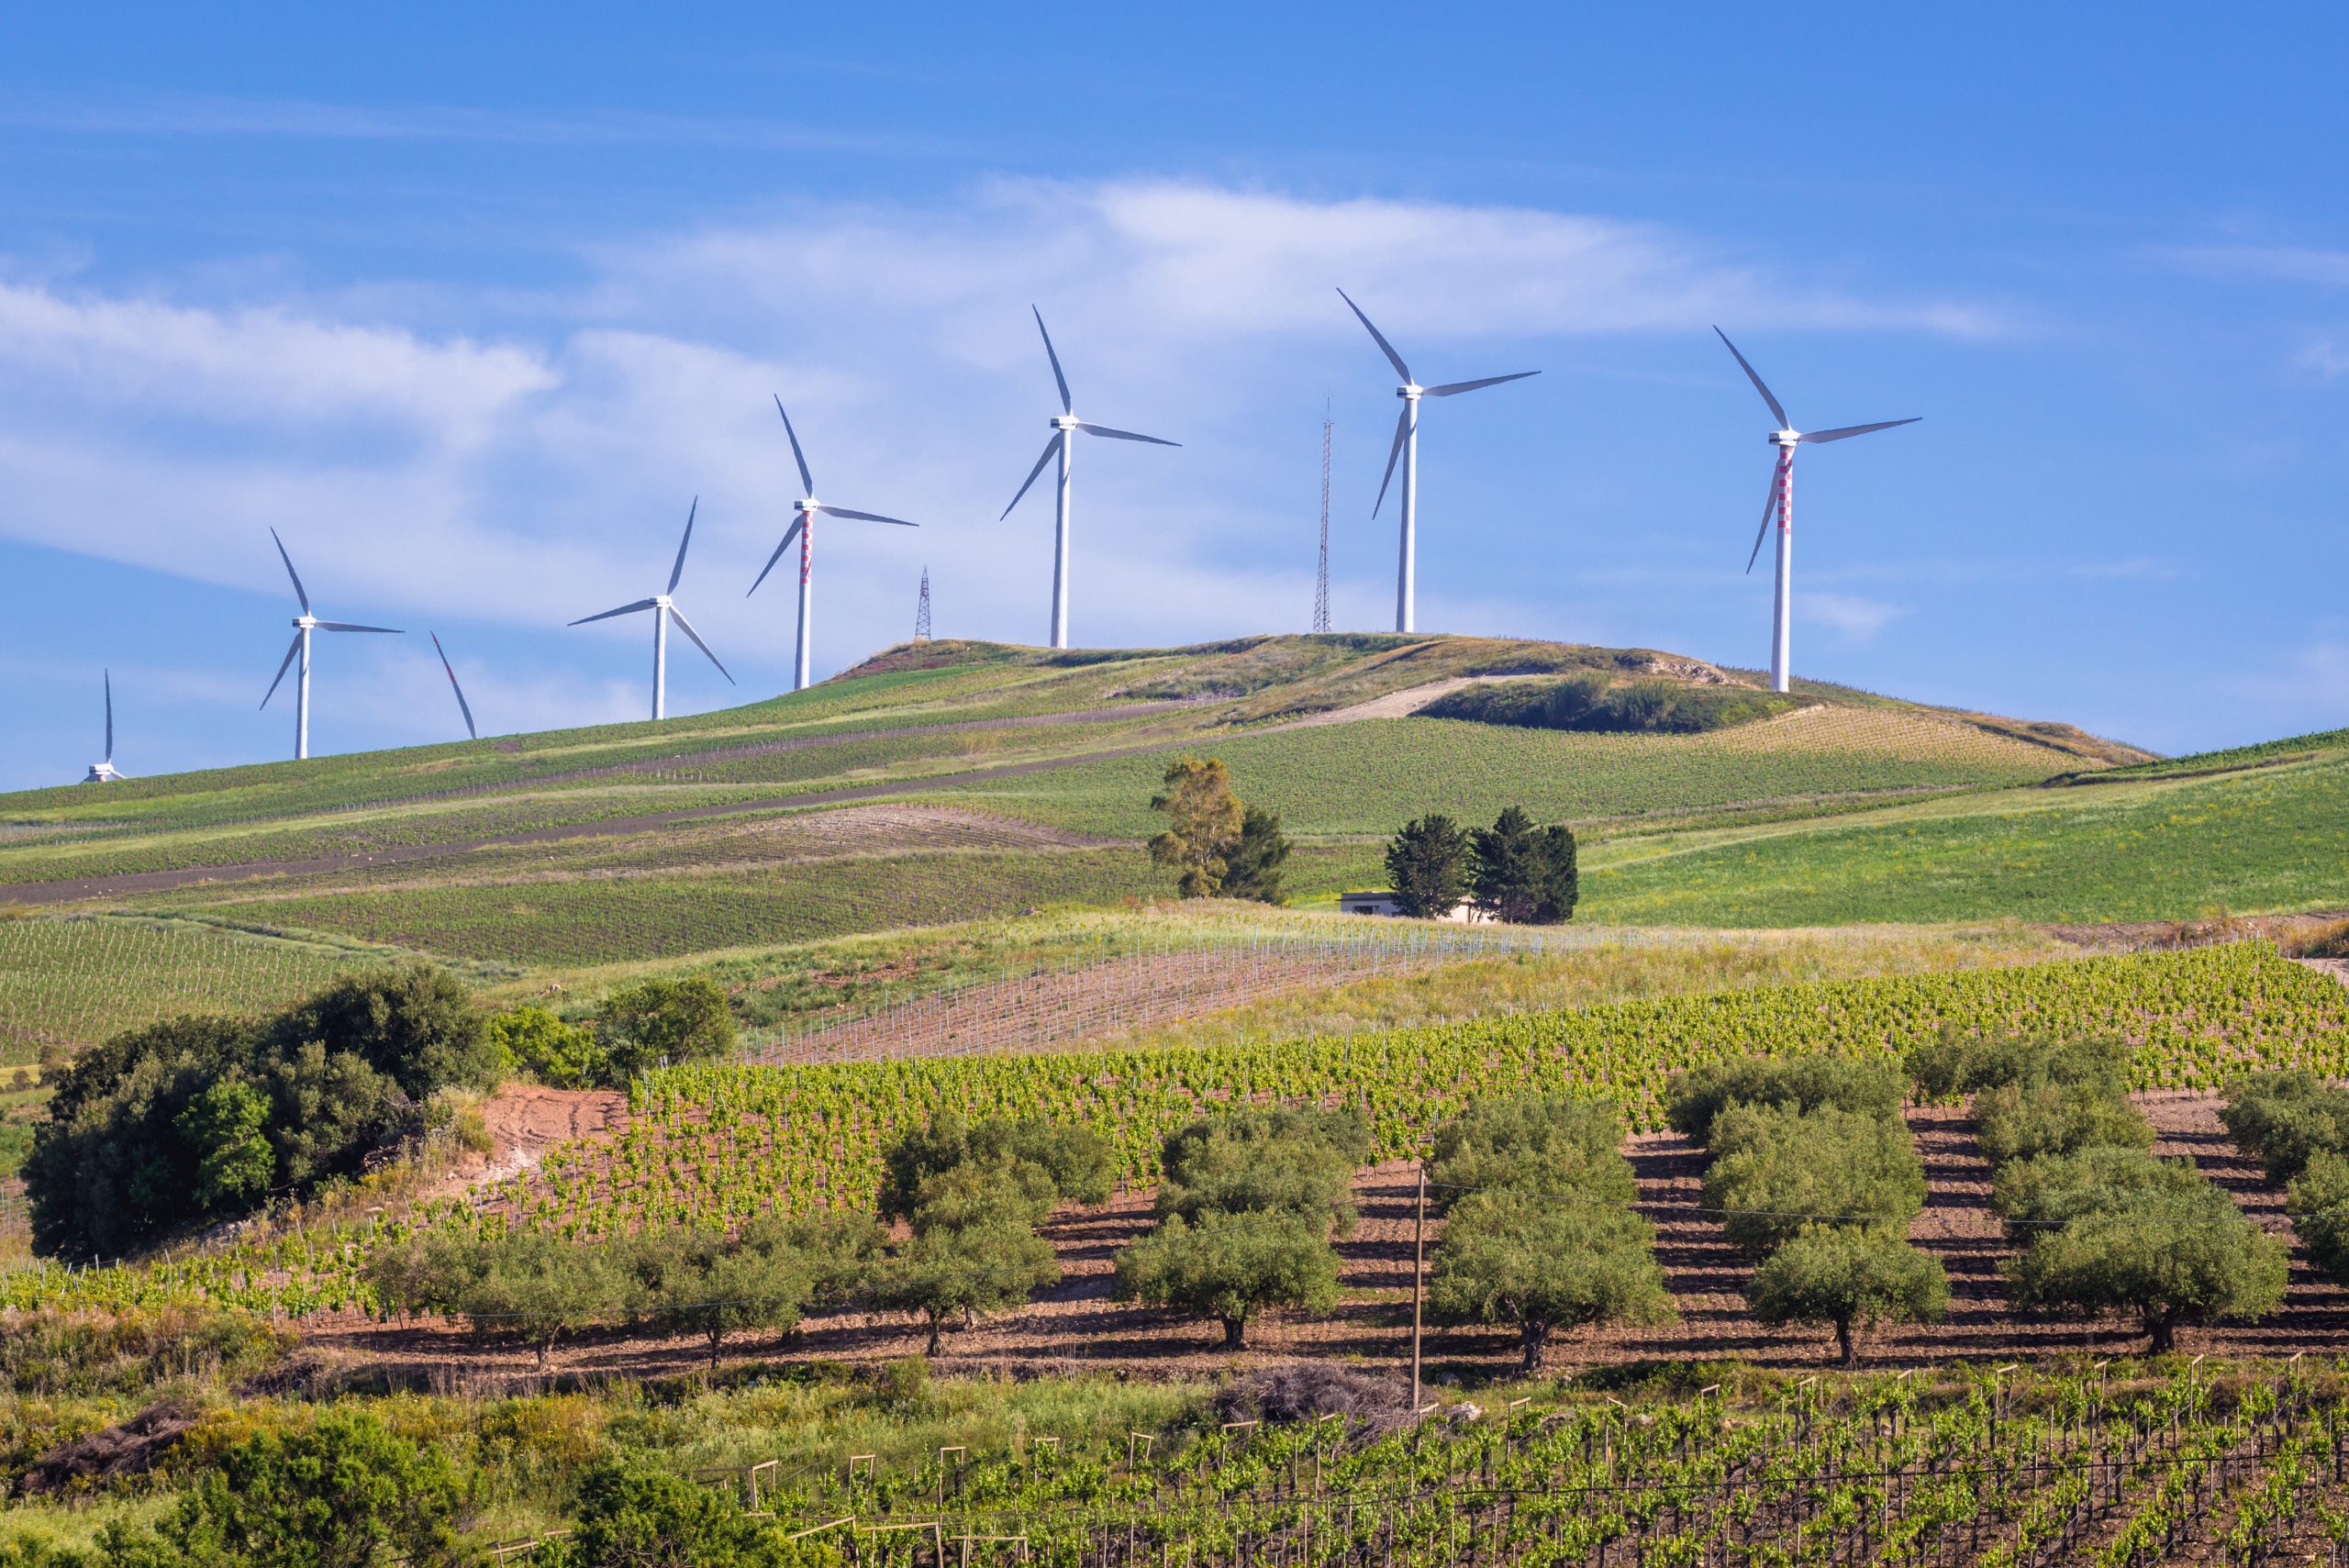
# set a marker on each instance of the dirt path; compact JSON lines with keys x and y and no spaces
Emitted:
{"x":1078,"y":1326}
{"x":524,"y":1121}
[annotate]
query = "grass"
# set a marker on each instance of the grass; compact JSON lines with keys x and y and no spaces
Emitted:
{"x":1372,"y":776}
{"x":2272,"y":841}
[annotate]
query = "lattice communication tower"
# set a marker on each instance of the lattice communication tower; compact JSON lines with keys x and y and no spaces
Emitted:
{"x":921,"y":609}
{"x":1321,"y":576}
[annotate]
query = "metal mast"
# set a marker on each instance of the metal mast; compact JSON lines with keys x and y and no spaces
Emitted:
{"x":921,"y":609}
{"x":1321,"y":576}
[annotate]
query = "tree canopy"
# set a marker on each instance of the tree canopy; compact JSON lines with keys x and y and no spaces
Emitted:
{"x":1541,"y":1265}
{"x":1427,"y":866}
{"x":1848,"y":1276}
{"x":1205,"y":820}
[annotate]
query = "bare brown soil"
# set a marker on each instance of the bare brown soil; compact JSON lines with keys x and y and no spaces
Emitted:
{"x":525,"y":1120}
{"x":1079,"y":1326}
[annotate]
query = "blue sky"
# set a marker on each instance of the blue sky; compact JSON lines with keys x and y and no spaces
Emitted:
{"x":471,"y":301}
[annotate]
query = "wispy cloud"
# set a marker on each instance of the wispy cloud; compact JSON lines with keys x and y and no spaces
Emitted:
{"x":1857,"y":618}
{"x":2289,"y":263}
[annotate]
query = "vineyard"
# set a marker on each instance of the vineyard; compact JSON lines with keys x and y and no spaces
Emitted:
{"x":714,"y":1145}
{"x":72,"y":982}
{"x":1993,"y":1469}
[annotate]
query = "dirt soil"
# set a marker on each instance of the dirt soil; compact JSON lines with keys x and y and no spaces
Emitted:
{"x":525,"y":1120}
{"x":1078,"y":1327}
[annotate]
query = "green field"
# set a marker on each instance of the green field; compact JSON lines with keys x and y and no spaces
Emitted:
{"x":2273,"y":839}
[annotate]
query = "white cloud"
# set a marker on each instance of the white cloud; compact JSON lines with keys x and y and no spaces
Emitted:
{"x":1855,"y":617}
{"x":2290,"y":263}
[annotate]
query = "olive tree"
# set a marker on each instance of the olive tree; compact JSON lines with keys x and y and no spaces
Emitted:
{"x":1541,"y":1265}
{"x":1849,"y":1277}
{"x":1229,"y":1267}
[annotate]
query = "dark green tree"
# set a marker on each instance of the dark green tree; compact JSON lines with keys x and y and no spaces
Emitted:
{"x":226,"y":1124}
{"x":642,"y":1025}
{"x":634,"y":1517}
{"x":1427,"y":864}
{"x":343,"y":1492}
{"x":2318,"y":1201}
{"x":1229,"y":1267}
{"x":1541,"y":1265}
{"x":2287,"y":1119}
{"x":418,"y":1025}
{"x":1849,"y":1277}
{"x":1074,"y":1161}
{"x":1253,"y":869}
{"x":1523,"y":873}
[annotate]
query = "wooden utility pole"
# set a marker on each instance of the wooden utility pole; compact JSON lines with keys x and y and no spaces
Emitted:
{"x":1419,"y":1275}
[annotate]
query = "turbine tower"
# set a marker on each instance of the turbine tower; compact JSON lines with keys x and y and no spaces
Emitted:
{"x":304,"y":624}
{"x":1780,"y":503}
{"x":1066,"y":424}
{"x":664,"y":610}
{"x":1321,"y":573}
{"x":104,"y":773}
{"x":462,"y":706}
{"x":1407,"y":447}
{"x":804,"y":527}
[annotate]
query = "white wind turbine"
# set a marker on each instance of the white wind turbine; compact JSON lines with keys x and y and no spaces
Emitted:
{"x":803,"y":527}
{"x":664,"y":610}
{"x":1407,"y":447}
{"x":1066,"y":424}
{"x":304,"y":624}
{"x":1781,"y":502}
{"x":462,"y":706}
{"x":104,"y":773}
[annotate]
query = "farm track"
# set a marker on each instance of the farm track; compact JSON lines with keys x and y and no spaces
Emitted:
{"x":1078,"y":1328}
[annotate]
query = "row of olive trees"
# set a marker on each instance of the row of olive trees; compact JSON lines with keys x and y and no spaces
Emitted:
{"x":1815,"y":1175}
{"x":2103,"y":1226}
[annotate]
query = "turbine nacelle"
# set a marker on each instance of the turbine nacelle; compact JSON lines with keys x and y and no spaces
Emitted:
{"x":1067,"y":422}
{"x":1786,"y":438}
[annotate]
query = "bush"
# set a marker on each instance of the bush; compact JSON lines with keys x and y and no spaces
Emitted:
{"x":197,"y":1119}
{"x":642,"y":1026}
{"x":560,"y":1055}
{"x":633,"y":1516}
{"x":1558,"y":1145}
{"x":1776,"y":1167}
{"x":1588,"y":702}
{"x":1848,"y":1277}
{"x":1227,"y":1267}
{"x":2175,"y":1250}
{"x":1692,"y":1099}
{"x":1541,"y":1265}
{"x":2286,"y":1118}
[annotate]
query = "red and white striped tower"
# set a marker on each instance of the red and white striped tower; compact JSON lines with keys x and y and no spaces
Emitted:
{"x":1782,"y":613}
{"x":802,"y":668}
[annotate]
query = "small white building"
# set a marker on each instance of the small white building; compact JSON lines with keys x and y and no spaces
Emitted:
{"x":1382,"y":902}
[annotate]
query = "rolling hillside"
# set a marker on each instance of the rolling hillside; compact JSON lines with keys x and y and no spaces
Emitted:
{"x":958,"y":781}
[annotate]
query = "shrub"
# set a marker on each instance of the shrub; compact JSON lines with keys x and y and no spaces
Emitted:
{"x":684,"y":1021}
{"x":418,"y":1025}
{"x":1776,"y":1167}
{"x":1692,"y":1099}
{"x":1586,"y":702}
{"x":1541,"y":1265}
{"x":633,"y":1516}
{"x":1848,"y":1277}
{"x":560,"y":1055}
{"x":1227,"y":1267}
{"x":1557,"y":1145}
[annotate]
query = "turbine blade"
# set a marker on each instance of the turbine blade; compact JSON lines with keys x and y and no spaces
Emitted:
{"x":299,"y":592}
{"x":1384,"y":346}
{"x":1815,"y":436}
{"x":866,"y":517}
{"x":1449,"y":388}
{"x":1402,"y":429}
{"x":1776,"y":412}
{"x":1122,"y":435}
{"x":679,"y":570}
{"x":347,"y":626}
{"x":807,"y":485}
{"x":462,"y":706}
{"x":1066,"y":407}
{"x":1050,"y":448}
{"x":1769,"y":509}
{"x":687,"y":627}
{"x":788,"y":535}
{"x":623,"y":610}
{"x":294,"y":648}
{"x":109,"y":678}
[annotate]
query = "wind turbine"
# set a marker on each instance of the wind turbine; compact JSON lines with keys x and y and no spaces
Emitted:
{"x":304,"y":624}
{"x":462,"y":706}
{"x":1407,"y":447}
{"x":104,"y":773}
{"x":664,"y":610}
{"x":804,"y":527}
{"x":1066,"y":424}
{"x":1781,"y":502}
